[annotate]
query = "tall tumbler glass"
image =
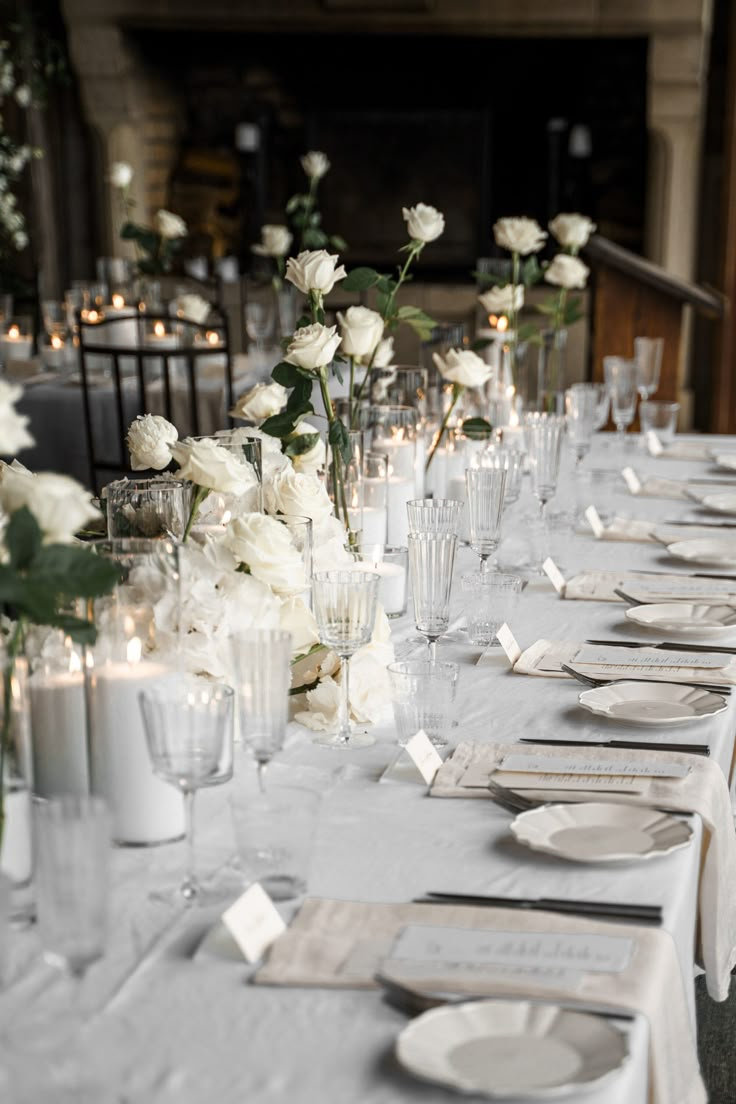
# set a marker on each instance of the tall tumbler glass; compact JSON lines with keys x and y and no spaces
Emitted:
{"x":434,"y":515}
{"x":262,"y":668}
{"x":431,"y":560}
{"x":620,"y":376}
{"x":345,"y":610}
{"x":485,"y":488}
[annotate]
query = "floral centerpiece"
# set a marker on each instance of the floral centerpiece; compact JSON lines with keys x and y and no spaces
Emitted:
{"x":156,"y":246}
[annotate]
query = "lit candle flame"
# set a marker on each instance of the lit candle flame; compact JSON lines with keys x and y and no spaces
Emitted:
{"x":212,"y":337}
{"x":118,"y":301}
{"x":93,"y":316}
{"x":159,"y":329}
{"x":134,"y":650}
{"x":503,"y":324}
{"x":226,"y":516}
{"x":75,"y":664}
{"x":14,"y":332}
{"x":56,"y":342}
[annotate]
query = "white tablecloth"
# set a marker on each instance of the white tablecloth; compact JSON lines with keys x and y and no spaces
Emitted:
{"x":193,"y":1029}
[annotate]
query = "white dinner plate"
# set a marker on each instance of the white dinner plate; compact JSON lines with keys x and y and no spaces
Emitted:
{"x":724,"y":502}
{"x":601,"y":832}
{"x":686,"y":618}
{"x":512,"y":1048}
{"x":653,"y":703}
{"x":726,"y":460}
{"x":718,"y":552}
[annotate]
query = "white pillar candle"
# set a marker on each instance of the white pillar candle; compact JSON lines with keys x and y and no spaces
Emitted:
{"x":15,"y":346}
{"x":144,"y":808}
{"x":419,"y":462}
{"x":401,"y":455}
{"x":58,"y":355}
{"x":400,"y":491}
{"x":16,"y":851}
{"x":436,"y":477}
{"x":392,"y":587}
{"x":374,"y":525}
{"x":121,"y":335}
{"x":457,"y":489}
{"x":59,"y":726}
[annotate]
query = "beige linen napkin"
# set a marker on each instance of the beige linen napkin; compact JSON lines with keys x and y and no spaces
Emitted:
{"x":636,"y":530}
{"x":704,"y":791}
{"x":677,"y":489}
{"x":599,"y":586}
{"x":686,"y":450}
{"x":542,"y":654}
{"x":341,"y":944}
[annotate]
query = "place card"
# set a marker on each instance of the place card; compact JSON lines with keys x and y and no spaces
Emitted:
{"x":508,"y":642}
{"x":425,"y":755}
{"x":448,"y":949}
{"x":594,"y":521}
{"x":655,"y":446}
{"x":603,"y":656}
{"x":254,"y":922}
{"x":555,"y":576}
{"x":593,"y":765}
{"x":632,"y":480}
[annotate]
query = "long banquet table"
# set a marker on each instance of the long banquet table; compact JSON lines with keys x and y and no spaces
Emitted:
{"x":191,"y":1025}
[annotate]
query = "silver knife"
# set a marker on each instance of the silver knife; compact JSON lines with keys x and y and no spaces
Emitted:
{"x":665,"y":646}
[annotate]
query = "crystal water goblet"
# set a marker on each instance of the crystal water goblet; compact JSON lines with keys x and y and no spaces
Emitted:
{"x":262,"y":677}
{"x":431,"y":560}
{"x":189,"y":731}
{"x":485,"y":490}
{"x":344,"y":606}
{"x":581,"y":413}
{"x":620,"y":375}
{"x":648,"y":358}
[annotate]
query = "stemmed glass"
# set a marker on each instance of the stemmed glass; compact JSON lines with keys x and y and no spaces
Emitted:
{"x":262,"y":676}
{"x":543,"y":434}
{"x":648,"y":358}
{"x":189,"y":730}
{"x":485,"y":488}
{"x":581,"y":414}
{"x":434,"y":515}
{"x":259,"y":323}
{"x":511,"y":461}
{"x":620,"y":375}
{"x":344,"y":605}
{"x":431,"y":559}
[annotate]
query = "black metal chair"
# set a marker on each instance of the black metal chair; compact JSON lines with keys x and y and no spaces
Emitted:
{"x":128,"y":368}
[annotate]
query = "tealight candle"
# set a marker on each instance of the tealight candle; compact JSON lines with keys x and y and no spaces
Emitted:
{"x":58,"y":354}
{"x":15,"y":346}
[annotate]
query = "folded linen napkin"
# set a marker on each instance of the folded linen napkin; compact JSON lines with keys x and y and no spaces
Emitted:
{"x":341,"y":944}
{"x":686,"y":450}
{"x":703,"y":791}
{"x":678,"y":489}
{"x":638,"y":530}
{"x":599,"y":586}
{"x":545,"y":658}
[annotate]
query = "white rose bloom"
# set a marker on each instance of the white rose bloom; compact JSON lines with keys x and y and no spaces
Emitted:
{"x":312,"y":462}
{"x":273,"y":459}
{"x":315,"y":164}
{"x":567,"y":272}
{"x":384,"y":353}
{"x":324,"y":706}
{"x":315,"y":270}
{"x":331,"y":554}
{"x":121,"y":174}
{"x":60,"y":505}
{"x":210,"y":465}
{"x":260,"y":402}
{"x":572,"y":231}
{"x":265,"y":545}
{"x":502,"y":300}
{"x":297,"y":618}
{"x":294,"y":493}
{"x":463,"y":366}
{"x":362,"y":330}
{"x":149,"y":440}
{"x":193,"y":308}
{"x":170,"y":225}
{"x":423,"y":222}
{"x":313,"y":346}
{"x":519,"y":235}
{"x":14,"y":436}
{"x":23,"y":95}
{"x":275,"y":241}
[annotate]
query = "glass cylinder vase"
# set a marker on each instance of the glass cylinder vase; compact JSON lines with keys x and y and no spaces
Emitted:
{"x":551,"y":372}
{"x":344,"y":482}
{"x":16,"y":772}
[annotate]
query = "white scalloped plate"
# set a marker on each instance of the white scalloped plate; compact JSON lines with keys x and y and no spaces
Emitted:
{"x":685,"y":618}
{"x":651,"y":704}
{"x":719,"y":552}
{"x":601,"y":832}
{"x":506,"y":1049}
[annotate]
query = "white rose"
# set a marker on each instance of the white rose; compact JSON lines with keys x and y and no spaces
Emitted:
{"x":384,"y":353}
{"x":315,"y":270}
{"x":121,"y":174}
{"x":294,"y":493}
{"x":265,"y":546}
{"x":362,"y":330}
{"x":13,"y":433}
{"x":315,"y":164}
{"x":23,"y":95}
{"x":324,"y":706}
{"x":261,"y":402}
{"x":210,"y":465}
{"x":272,"y":458}
{"x":313,"y":461}
{"x":567,"y":272}
{"x":463,"y":366}
{"x":170,"y":225}
{"x":424,"y":223}
{"x":297,"y":618}
{"x":193,"y":308}
{"x":313,"y":346}
{"x":503,"y":300}
{"x":370,"y":687}
{"x":519,"y":235}
{"x":60,"y":505}
{"x":275,"y":241}
{"x":149,"y":440}
{"x":572,"y":231}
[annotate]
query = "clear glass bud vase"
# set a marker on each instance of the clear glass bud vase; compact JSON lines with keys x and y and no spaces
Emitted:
{"x":551,"y":372}
{"x":344,"y":482}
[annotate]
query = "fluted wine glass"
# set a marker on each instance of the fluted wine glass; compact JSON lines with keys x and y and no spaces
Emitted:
{"x":434,"y":515}
{"x":262,"y":677}
{"x":620,"y":375}
{"x":485,"y":490}
{"x":648,"y":357}
{"x":581,"y":414}
{"x":344,"y":606}
{"x":431,"y":560}
{"x":543,"y":434}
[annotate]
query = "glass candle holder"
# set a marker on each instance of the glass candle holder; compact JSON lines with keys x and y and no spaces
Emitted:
{"x":155,"y":508}
{"x":392,"y":566}
{"x":375,"y":498}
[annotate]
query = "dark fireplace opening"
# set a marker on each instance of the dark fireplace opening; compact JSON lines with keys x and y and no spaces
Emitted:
{"x":479,"y":127}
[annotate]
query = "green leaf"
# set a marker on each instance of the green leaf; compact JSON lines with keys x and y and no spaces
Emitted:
{"x":305,"y":320}
{"x":546,"y":308}
{"x":338,"y":243}
{"x":286,"y":374}
{"x":382,"y":302}
{"x":360,"y":279}
{"x":527,"y":331}
{"x":283,"y":424}
{"x":480,"y":344}
{"x":572,"y":311}
{"x":314,"y":238}
{"x":339,"y":439}
{"x":420,"y":322}
{"x":336,"y":371}
{"x":302,"y":393}
{"x":386,"y":285}
{"x":302,"y":443}
{"x":83,"y":632}
{"x":477,"y":428}
{"x":295,"y":203}
{"x":531,"y":273}
{"x":489,"y":279}
{"x":74,"y":571}
{"x":23,"y":538}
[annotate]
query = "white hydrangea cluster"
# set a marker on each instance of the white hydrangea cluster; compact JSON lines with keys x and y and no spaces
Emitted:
{"x":13,"y":157}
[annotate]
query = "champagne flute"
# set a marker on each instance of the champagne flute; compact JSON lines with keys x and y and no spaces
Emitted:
{"x":262,"y":676}
{"x":543,"y":433}
{"x":648,"y":357}
{"x":431,"y":559}
{"x":485,"y":489}
{"x":581,"y":412}
{"x":620,"y":375}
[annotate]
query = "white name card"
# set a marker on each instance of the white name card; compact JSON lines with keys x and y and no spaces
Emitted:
{"x":555,"y":576}
{"x":593,"y":765}
{"x":508,"y":642}
{"x":594,"y":520}
{"x":602,"y":656}
{"x":655,"y":446}
{"x":632,"y":480}
{"x":254,"y":922}
{"x":425,"y":755}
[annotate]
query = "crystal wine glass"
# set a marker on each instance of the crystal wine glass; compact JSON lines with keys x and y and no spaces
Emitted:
{"x":620,"y":375}
{"x":431,"y":559}
{"x":262,"y":676}
{"x":543,"y":433}
{"x":189,"y":730}
{"x":511,"y":461}
{"x":344,"y":605}
{"x":485,"y":489}
{"x":581,"y":412}
{"x":648,"y":357}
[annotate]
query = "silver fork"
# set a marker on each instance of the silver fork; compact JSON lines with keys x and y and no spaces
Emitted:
{"x":514,"y":802}
{"x":594,"y":683}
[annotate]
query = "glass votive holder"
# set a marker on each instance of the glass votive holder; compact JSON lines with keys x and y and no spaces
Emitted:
{"x":659,"y":417}
{"x":490,"y":600}
{"x":423,"y":695}
{"x":391,"y":564}
{"x":155,"y":508}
